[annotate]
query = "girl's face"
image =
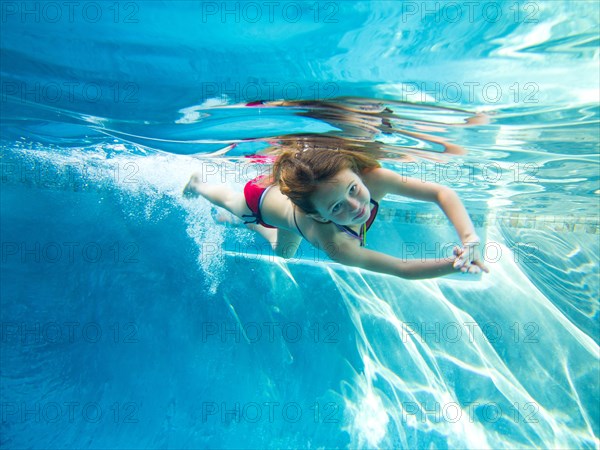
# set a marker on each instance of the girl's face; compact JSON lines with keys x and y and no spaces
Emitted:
{"x":344,"y":199}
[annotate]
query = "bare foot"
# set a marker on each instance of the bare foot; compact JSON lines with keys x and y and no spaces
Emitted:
{"x":192,"y":188}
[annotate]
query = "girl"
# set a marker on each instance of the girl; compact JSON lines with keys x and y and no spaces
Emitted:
{"x":330,"y":198}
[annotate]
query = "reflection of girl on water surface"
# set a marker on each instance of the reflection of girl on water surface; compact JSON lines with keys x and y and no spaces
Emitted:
{"x":365,"y":119}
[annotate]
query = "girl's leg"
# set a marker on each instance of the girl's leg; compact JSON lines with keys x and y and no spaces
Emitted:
{"x":270,"y":234}
{"x":227,"y":198}
{"x":222,"y":196}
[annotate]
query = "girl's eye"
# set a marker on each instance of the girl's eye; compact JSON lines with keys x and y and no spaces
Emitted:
{"x":353,"y":189}
{"x":336,"y":208}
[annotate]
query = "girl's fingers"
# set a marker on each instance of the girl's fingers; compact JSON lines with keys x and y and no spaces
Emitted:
{"x":459,"y":262}
{"x":482,"y":267}
{"x":467,"y":261}
{"x":474,"y":269}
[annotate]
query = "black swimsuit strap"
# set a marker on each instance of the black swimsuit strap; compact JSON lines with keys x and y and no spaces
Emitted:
{"x":344,"y":228}
{"x":253,"y":216}
{"x":296,"y":223}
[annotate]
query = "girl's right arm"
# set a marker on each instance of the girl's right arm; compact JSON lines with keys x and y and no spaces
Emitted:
{"x":350,"y":254}
{"x":346,"y":250}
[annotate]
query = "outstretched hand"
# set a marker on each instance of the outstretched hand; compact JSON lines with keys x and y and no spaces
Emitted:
{"x":468,"y":259}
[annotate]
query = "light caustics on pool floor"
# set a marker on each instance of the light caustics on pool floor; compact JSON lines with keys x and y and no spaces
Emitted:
{"x":423,"y":343}
{"x":466,"y":361}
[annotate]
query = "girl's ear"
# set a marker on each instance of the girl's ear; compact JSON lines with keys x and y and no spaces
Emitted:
{"x":317,"y":217}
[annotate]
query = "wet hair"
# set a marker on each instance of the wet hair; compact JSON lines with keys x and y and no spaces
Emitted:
{"x":299,"y":172}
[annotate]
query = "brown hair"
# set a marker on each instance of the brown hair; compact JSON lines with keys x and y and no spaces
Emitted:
{"x":298,"y":172}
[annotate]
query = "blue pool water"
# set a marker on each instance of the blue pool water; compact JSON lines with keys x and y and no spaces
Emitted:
{"x":131,"y":318}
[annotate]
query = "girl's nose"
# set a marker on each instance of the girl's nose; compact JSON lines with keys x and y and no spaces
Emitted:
{"x":354,"y":204}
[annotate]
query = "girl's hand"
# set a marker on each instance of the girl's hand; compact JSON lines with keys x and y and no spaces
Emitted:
{"x":468,"y":258}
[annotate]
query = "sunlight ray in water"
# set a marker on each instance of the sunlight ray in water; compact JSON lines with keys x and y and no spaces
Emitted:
{"x":367,"y":306}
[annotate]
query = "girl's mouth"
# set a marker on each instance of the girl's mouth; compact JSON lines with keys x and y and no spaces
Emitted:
{"x":361,"y":213}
